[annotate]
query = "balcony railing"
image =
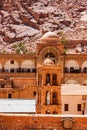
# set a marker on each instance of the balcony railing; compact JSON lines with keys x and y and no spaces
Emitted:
{"x":72,"y":70}
{"x":18,"y":70}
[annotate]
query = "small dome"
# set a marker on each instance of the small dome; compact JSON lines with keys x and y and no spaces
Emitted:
{"x":48,"y":61}
{"x":49,"y":35}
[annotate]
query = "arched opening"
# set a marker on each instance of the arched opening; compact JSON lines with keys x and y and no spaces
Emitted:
{"x":54,"y":98}
{"x":84,"y":67}
{"x":11,"y":66}
{"x":48,"y":79}
{"x":51,"y":55}
{"x":54,"y":79}
{"x":28,"y":66}
{"x":48,"y":112}
{"x":71,"y":70}
{"x":85,"y":82}
{"x":72,"y":66}
{"x":49,"y":51}
{"x":85,"y":70}
{"x":47,"y":98}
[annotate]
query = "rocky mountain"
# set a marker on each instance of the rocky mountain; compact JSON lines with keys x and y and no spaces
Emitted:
{"x":26,"y":21}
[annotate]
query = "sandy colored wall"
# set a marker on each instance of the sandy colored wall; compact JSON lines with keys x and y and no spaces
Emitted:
{"x":34,"y":122}
{"x":72,"y":101}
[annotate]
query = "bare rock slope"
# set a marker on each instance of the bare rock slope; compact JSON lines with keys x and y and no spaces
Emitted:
{"x":26,"y":20}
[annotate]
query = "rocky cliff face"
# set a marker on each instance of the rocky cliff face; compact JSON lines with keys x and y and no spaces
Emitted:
{"x":27,"y":20}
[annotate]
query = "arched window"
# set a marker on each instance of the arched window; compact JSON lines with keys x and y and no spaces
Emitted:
{"x":48,"y":98}
{"x":47,"y":78}
{"x":54,"y":79}
{"x":54,"y":98}
{"x":72,"y":66}
{"x":11,"y":66}
{"x":51,"y":55}
{"x":84,"y":67}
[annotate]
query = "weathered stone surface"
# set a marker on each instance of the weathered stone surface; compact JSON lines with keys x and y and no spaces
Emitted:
{"x":40,"y":122}
{"x":50,"y":15}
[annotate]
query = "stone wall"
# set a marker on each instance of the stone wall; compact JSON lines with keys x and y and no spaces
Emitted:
{"x":42,"y":122}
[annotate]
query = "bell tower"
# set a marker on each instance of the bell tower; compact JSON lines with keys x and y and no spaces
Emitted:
{"x":48,"y":75}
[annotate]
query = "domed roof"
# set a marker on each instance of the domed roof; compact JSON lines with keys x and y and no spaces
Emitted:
{"x":48,"y":61}
{"x":49,"y":35}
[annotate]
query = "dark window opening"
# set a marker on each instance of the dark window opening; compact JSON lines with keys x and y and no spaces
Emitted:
{"x":79,"y":107}
{"x":54,"y":98}
{"x":3,"y":70}
{"x":2,"y":85}
{"x":54,"y":79}
{"x":66,"y":107}
{"x":71,"y":70}
{"x":28,"y":70}
{"x":85,"y":70}
{"x":12,"y":61}
{"x":50,"y":55}
{"x":47,"y":112}
{"x":12,"y":70}
{"x":34,"y":93}
{"x":47,"y":78}
{"x":34,"y":70}
{"x":9,"y":95}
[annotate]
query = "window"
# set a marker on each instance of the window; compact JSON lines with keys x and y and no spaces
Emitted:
{"x":12,"y":70}
{"x":47,"y":78}
{"x":78,"y":107}
{"x":47,"y":98}
{"x":9,"y":95}
{"x":54,"y":79}
{"x":54,"y":98}
{"x":71,"y":70}
{"x":66,"y":107}
{"x":12,"y":61}
{"x":34,"y":93}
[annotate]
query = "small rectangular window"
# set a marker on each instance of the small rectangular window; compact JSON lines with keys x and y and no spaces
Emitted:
{"x":78,"y":107}
{"x":12,"y":70}
{"x":12,"y":61}
{"x":66,"y":107}
{"x":9,"y":95}
{"x":34,"y":93}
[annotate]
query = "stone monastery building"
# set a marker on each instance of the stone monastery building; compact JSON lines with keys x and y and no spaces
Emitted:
{"x":40,"y":76}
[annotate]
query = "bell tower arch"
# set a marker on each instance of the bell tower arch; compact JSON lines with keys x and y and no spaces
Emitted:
{"x":49,"y":75}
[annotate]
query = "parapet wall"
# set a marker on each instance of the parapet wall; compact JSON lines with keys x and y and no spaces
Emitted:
{"x":42,"y":122}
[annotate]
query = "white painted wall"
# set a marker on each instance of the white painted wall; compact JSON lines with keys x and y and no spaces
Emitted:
{"x":17,"y":105}
{"x":9,"y":66}
{"x":28,"y":64}
{"x":72,"y":100}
